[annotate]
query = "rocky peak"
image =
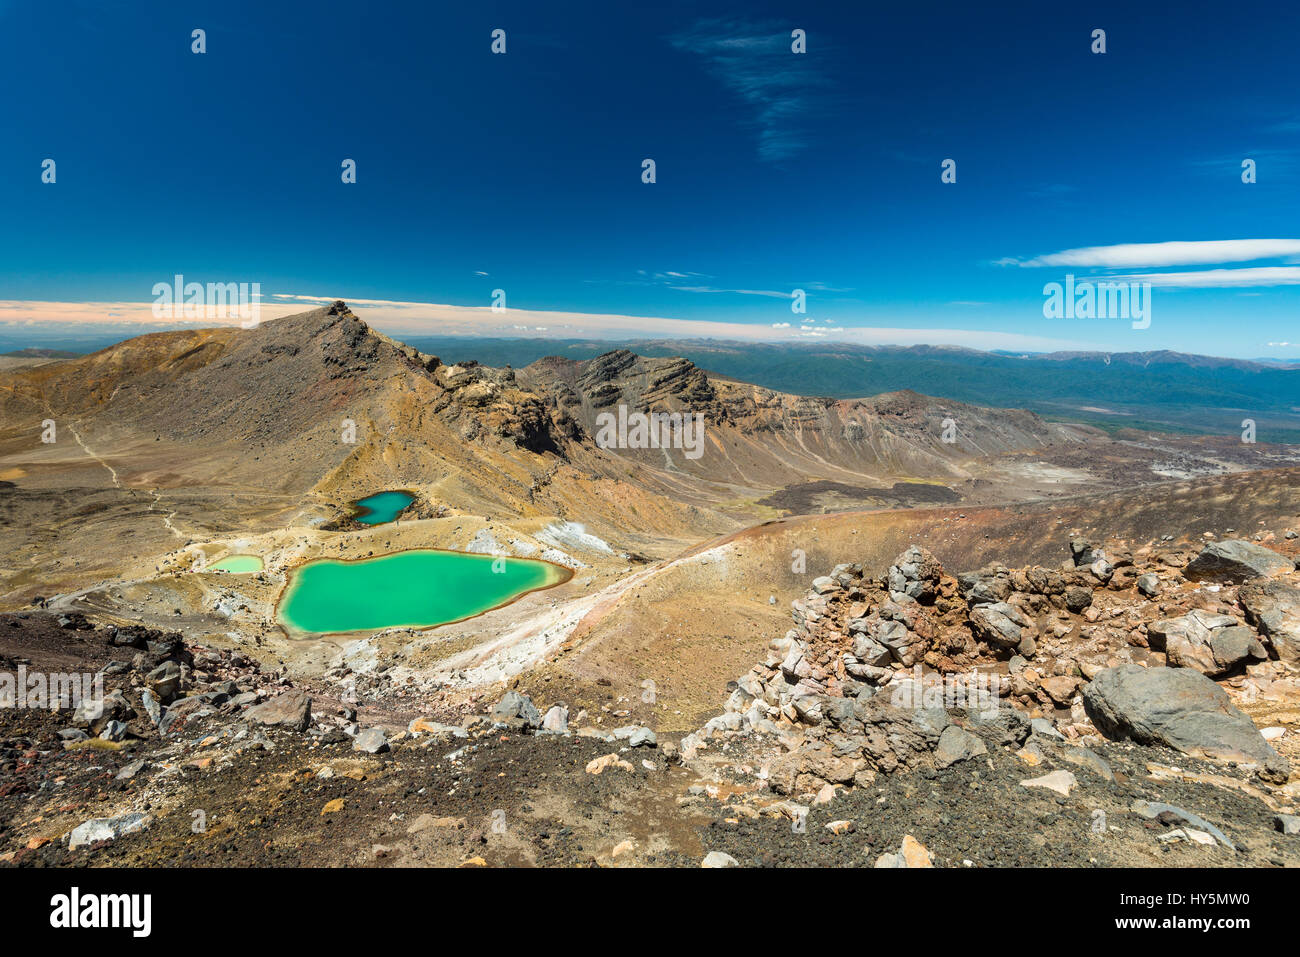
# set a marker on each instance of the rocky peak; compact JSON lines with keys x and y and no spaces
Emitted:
{"x":606,"y":368}
{"x":334,"y":331}
{"x":646,"y":384}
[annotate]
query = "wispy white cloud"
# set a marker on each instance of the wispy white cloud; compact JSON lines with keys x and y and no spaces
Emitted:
{"x":781,"y":89}
{"x":1048,"y":190}
{"x":1268,"y":161}
{"x":768,"y":293}
{"x":689,"y":282}
{"x":1217,"y":278}
{"x":1143,"y":255}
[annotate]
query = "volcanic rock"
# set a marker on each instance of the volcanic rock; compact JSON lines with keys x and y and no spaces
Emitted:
{"x":914,"y":575}
{"x":717,"y":859}
{"x":1237,"y":560}
{"x":291,"y":710}
{"x":1182,"y":709}
{"x":957,"y":744}
{"x":106,"y":829}
{"x":517,"y":711}
{"x":1000,"y":624}
{"x":371,"y":741}
{"x":556,"y":719}
{"x":987,"y":585}
{"x":1274,"y":608}
{"x":1212,"y":644}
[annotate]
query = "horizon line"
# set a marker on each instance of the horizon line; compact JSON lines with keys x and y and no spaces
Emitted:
{"x":399,"y":318}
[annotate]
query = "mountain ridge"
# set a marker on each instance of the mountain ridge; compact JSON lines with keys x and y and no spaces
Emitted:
{"x":291,"y":421}
{"x":1159,"y":390}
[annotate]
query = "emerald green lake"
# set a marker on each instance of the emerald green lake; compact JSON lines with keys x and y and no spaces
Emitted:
{"x":238,"y":564}
{"x":420,"y":588}
{"x":381,"y":507}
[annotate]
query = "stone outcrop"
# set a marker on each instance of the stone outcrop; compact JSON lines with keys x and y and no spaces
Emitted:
{"x":862,"y":683}
{"x":851,"y":632}
{"x":516,"y":711}
{"x":291,"y":710}
{"x":1237,"y":560}
{"x":1004,"y":626}
{"x":1274,"y":608}
{"x":849,"y":678}
{"x":1214,"y":645}
{"x":1181,"y":709}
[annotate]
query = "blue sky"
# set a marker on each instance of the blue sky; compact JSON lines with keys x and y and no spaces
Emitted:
{"x":775,"y":170}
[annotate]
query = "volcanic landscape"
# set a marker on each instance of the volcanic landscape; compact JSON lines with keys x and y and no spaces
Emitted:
{"x":625,"y":656}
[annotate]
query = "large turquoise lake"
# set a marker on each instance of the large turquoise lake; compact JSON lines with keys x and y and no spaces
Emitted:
{"x":381,"y":507}
{"x":420,"y":588}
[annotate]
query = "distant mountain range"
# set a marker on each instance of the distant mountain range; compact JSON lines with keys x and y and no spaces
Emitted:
{"x":1160,"y":390}
{"x":32,"y":352}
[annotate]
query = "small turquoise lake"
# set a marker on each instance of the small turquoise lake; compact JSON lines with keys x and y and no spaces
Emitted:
{"x":237,"y":564}
{"x":417,"y":588}
{"x":381,"y":507}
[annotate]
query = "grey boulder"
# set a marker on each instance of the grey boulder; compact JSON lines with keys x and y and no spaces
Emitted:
{"x":915,"y":574}
{"x":718,"y":859}
{"x":1083,"y":552}
{"x":999,"y":725}
{"x":1169,"y":813}
{"x":556,"y":719}
{"x":999,"y":624}
{"x":1236,"y":559}
{"x":636,"y":736}
{"x":165,"y":681}
{"x":291,"y":710}
{"x":1212,"y":644}
{"x":152,"y":707}
{"x":106,"y":829}
{"x":986,"y":585}
{"x":957,"y":744}
{"x":1182,"y":709}
{"x":371,"y":741}
{"x":1274,"y":608}
{"x":517,"y":710}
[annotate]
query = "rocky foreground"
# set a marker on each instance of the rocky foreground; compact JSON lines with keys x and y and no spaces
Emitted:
{"x":1134,"y":706}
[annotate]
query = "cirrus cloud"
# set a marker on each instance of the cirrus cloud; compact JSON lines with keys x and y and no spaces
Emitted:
{"x":1148,"y":255}
{"x":781,"y":90}
{"x":1218,"y":278}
